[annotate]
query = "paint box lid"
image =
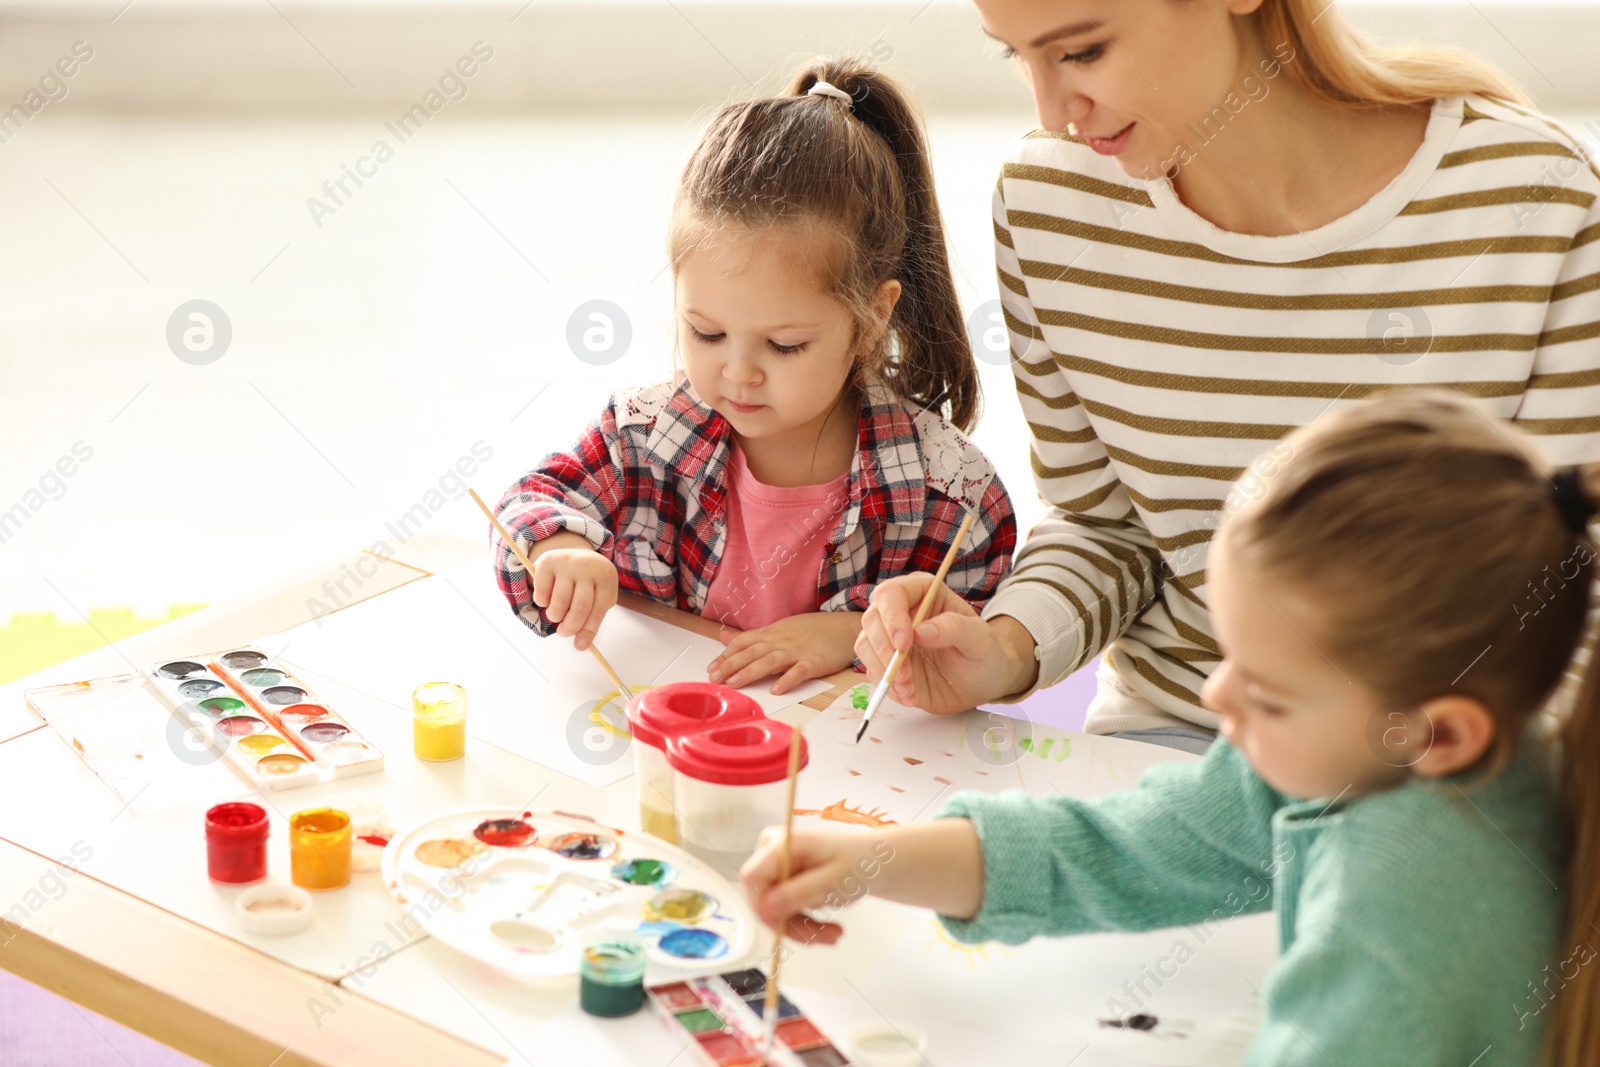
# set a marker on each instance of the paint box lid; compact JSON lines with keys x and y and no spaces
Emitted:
{"x":755,"y":752}
{"x":888,"y":1044}
{"x":273,"y":910}
{"x":686,"y":707}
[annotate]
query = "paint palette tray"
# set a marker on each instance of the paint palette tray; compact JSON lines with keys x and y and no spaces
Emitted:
{"x":721,"y":1017}
{"x":525,"y":892}
{"x":266,"y":723}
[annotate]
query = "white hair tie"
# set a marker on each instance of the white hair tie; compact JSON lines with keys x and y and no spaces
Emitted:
{"x":827,"y":89}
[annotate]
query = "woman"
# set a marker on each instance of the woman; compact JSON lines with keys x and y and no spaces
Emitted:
{"x":1238,"y":213}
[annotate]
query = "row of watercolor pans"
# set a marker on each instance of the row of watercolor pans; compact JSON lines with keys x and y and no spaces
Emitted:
{"x":721,"y":1018}
{"x":266,"y":723}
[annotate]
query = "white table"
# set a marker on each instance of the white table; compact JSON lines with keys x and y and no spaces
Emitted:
{"x":138,"y":934}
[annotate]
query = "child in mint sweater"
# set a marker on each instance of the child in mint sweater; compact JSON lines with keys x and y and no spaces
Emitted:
{"x":1394,"y":609}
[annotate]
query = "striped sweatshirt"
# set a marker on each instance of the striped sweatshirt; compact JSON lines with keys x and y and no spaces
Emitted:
{"x":1159,"y":358}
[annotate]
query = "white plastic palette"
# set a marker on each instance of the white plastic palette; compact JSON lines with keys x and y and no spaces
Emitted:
{"x":526,"y":891}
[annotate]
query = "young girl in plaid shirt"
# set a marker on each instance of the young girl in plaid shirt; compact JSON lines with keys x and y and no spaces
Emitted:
{"x":801,"y":457}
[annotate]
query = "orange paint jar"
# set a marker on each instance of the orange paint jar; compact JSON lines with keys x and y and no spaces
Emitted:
{"x":319,"y":848}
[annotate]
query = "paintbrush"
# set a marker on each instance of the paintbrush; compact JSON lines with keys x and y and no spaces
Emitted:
{"x":527,"y":565}
{"x":770,"y":1013}
{"x":922,"y":616}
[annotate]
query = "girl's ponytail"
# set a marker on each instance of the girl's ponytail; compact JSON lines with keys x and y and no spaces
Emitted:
{"x":935,"y":357}
{"x":1574,"y":1039}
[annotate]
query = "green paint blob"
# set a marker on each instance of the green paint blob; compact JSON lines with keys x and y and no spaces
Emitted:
{"x":642,"y":872}
{"x":860,"y":697}
{"x":700,"y":1020}
{"x":221,"y":705}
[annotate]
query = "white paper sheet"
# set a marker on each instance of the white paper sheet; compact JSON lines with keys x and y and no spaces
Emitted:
{"x":536,"y":697}
{"x":909,"y":761}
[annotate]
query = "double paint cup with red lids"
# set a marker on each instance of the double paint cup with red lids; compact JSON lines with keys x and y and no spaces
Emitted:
{"x":656,"y":716}
{"x":730,"y":781}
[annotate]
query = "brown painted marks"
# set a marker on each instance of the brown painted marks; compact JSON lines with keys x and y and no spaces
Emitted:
{"x":912,"y":761}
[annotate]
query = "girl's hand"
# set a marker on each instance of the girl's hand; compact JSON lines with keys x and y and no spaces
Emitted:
{"x":936,"y":864}
{"x":956,"y":660}
{"x":800,"y":647}
{"x":827,"y":869}
{"x":575,"y":587}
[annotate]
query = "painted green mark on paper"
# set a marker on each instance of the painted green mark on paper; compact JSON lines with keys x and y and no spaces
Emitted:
{"x":1061,"y":745}
{"x":860,"y":697}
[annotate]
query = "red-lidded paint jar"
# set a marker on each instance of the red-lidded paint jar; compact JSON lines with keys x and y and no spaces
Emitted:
{"x":668,"y":711}
{"x":236,"y":842}
{"x":729,"y":783}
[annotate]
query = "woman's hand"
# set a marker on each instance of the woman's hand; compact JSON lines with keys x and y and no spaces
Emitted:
{"x":575,"y":587}
{"x":799,"y":647}
{"x":956,"y":660}
{"x":936,"y":864}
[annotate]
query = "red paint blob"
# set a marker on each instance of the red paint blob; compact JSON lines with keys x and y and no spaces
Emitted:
{"x":800,"y":1034}
{"x":236,"y":842}
{"x":504,"y":833}
{"x":303,"y":713}
{"x":375,"y":840}
{"x":676,"y":996}
{"x":726,"y":1049}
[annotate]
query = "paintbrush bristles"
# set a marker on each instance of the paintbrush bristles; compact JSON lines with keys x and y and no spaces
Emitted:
{"x":527,"y":566}
{"x":921,"y":617}
{"x":879,"y":693}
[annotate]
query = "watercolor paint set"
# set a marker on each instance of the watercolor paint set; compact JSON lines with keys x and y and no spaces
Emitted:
{"x":175,"y":733}
{"x":267,"y":723}
{"x":721,"y":1017}
{"x":528,"y":892}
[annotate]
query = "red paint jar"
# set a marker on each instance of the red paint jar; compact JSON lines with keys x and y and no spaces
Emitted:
{"x":236,"y":842}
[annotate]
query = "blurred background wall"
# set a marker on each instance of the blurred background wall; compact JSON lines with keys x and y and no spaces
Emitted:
{"x":381,"y":326}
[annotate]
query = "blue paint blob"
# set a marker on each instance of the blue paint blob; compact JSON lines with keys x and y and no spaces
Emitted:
{"x":694,"y":944}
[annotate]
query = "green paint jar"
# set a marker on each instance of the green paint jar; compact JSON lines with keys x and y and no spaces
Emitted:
{"x":611,"y":977}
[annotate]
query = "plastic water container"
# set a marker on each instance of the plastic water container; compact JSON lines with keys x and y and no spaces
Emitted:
{"x":667,"y":711}
{"x":729,"y":783}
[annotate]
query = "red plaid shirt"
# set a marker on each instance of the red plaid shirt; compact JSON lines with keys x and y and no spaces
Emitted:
{"x":647,"y":485}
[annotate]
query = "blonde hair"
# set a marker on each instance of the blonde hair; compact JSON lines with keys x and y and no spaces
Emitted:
{"x":1426,"y":529}
{"x":862,"y":173}
{"x":1339,"y":65}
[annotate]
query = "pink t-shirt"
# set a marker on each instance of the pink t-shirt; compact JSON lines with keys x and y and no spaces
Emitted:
{"x":773,"y":557}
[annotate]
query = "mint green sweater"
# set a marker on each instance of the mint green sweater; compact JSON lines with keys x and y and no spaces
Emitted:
{"x":1416,"y":926}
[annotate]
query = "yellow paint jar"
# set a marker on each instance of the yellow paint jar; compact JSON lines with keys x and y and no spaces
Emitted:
{"x":439,"y":721}
{"x":319,"y":848}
